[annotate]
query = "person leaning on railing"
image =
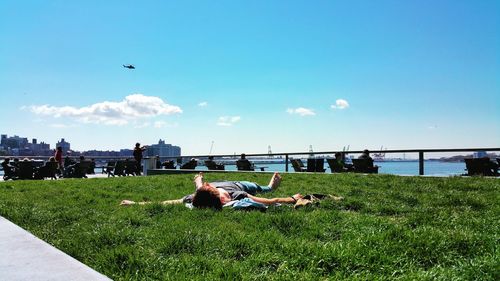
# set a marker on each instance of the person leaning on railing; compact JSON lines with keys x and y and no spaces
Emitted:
{"x":138,"y":150}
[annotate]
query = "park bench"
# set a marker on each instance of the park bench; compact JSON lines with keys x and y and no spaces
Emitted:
{"x":211,"y":165}
{"x":364,"y":166}
{"x":298,"y":165}
{"x":245,"y":165}
{"x":316,"y":165}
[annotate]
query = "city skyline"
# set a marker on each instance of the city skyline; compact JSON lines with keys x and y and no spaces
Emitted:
{"x":232,"y":77}
{"x":21,"y":146}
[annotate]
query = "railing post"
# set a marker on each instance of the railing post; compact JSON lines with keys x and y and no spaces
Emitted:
{"x":147,"y":164}
{"x":286,"y":162}
{"x":421,"y":163}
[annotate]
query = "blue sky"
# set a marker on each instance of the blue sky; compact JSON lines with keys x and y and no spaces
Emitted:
{"x":248,"y":74}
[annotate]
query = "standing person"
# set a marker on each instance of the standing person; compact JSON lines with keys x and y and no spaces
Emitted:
{"x":59,"y":159}
{"x":138,"y":156}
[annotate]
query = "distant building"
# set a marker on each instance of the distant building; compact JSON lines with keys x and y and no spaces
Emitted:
{"x":479,"y":154}
{"x":66,"y":146}
{"x":13,"y":142}
{"x":126,"y":152}
{"x":163,"y":150}
{"x":20,"y":146}
{"x":40,"y":148}
{"x":35,"y":146}
{"x":105,"y":153}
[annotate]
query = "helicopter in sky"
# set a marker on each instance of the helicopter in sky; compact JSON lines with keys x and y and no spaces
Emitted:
{"x":129,"y":66}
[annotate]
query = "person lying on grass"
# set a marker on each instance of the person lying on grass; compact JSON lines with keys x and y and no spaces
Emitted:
{"x":216,"y":194}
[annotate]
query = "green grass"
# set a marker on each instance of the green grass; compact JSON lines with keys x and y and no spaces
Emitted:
{"x":387,"y":227}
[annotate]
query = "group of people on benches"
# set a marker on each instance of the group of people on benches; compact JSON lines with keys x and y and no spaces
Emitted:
{"x":243,"y":164}
{"x":25,"y":169}
{"x":32,"y":169}
{"x":363,"y":164}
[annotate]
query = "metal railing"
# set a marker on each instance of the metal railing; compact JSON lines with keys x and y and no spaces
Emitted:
{"x":421,"y":153}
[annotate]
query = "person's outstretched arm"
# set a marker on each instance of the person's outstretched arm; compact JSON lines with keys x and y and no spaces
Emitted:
{"x":166,"y":202}
{"x":268,"y":201}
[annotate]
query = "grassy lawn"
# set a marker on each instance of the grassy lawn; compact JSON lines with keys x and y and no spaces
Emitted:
{"x":387,"y":227}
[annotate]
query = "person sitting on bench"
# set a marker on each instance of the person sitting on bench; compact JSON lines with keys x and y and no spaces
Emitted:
{"x":212,"y":165}
{"x":9,"y":171}
{"x":338,"y":164}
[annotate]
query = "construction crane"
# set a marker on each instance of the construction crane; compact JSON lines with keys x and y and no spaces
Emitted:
{"x":211,"y":147}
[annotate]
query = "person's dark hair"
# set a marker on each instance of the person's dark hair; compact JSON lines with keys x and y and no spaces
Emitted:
{"x":206,"y":197}
{"x":243,"y":156}
{"x":59,"y":148}
{"x":137,"y":144}
{"x":82,"y":157}
{"x":210,"y":158}
{"x":366,"y":151}
{"x":338,"y":154}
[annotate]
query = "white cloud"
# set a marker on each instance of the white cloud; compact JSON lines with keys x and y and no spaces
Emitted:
{"x":61,"y":126}
{"x":139,"y":125}
{"x":301,"y":111}
{"x":160,"y":124}
{"x":340,"y":104}
{"x":133,"y":107}
{"x":163,"y":124}
{"x":432,"y":127}
{"x":203,"y":104}
{"x":228,"y":120}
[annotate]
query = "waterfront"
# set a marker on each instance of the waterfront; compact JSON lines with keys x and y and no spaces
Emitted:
{"x":432,"y":168}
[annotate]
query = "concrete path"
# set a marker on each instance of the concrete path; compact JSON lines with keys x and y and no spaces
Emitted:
{"x":25,"y":257}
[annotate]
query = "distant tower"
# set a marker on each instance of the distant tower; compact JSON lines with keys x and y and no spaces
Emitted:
{"x":311,"y":151}
{"x":269,"y":151}
{"x":66,"y":146}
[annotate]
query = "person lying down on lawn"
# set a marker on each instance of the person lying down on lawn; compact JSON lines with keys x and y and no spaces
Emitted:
{"x":217,"y":194}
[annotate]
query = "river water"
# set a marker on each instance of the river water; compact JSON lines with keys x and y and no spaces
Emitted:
{"x":435,"y":168}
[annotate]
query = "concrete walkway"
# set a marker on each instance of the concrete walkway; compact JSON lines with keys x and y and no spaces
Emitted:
{"x":25,"y":257}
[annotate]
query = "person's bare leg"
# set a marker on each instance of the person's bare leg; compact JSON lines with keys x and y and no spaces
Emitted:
{"x":275,"y":181}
